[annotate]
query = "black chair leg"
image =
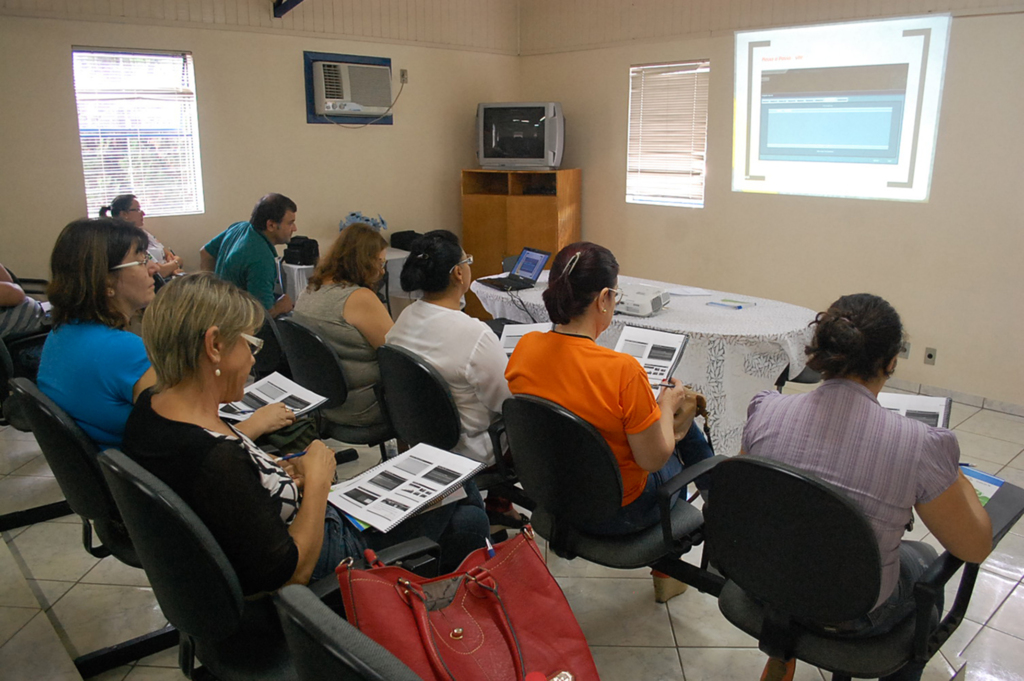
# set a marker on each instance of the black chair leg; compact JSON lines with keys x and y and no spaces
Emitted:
{"x":31,"y":516}
{"x":95,"y":663}
{"x":704,"y":580}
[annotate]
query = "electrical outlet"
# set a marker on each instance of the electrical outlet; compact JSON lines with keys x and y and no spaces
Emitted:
{"x":904,"y":350}
{"x":929,"y":355}
{"x":403,"y":76}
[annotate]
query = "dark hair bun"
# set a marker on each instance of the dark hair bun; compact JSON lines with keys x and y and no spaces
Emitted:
{"x":859,"y":335}
{"x":430,"y":261}
{"x":578,"y":273}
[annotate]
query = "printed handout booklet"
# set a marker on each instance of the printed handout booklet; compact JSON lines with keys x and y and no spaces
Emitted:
{"x":400,"y":487}
{"x":270,"y":389}
{"x":984,"y":484}
{"x":658,"y":352}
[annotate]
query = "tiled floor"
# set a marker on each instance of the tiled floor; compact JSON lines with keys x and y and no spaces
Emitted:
{"x":54,"y":597}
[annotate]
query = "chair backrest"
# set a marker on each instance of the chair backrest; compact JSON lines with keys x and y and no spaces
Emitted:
{"x":795,"y":542}
{"x":271,"y":358}
{"x":418,"y":399}
{"x":325,"y":647}
{"x":563,"y":463}
{"x":314,"y":364}
{"x":508,"y":263}
{"x":70,"y":453}
{"x":196,"y":586}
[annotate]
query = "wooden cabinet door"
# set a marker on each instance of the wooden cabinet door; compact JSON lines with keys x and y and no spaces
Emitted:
{"x":484,"y":231}
{"x":532,"y":221}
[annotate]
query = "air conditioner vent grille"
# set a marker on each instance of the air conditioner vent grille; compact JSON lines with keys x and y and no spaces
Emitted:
{"x":332,"y":82}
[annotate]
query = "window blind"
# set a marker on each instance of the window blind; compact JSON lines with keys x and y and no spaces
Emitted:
{"x":138,"y":129}
{"x":668,"y":124}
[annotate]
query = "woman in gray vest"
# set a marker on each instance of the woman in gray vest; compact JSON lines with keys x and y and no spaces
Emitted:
{"x":339,"y":304}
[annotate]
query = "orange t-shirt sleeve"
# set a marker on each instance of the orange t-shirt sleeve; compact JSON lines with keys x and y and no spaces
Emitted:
{"x":639,"y":407}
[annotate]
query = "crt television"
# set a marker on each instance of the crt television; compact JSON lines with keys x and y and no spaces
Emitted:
{"x":520,"y":135}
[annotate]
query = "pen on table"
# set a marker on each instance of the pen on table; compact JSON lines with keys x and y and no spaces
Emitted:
{"x":728,"y":305}
{"x":968,"y":465}
{"x":293,"y":456}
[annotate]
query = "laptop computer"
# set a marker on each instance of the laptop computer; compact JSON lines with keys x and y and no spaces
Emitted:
{"x":525,"y":273}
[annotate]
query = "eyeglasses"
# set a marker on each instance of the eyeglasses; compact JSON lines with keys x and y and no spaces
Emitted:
{"x":255,"y":344}
{"x":144,"y":262}
{"x":618,"y":294}
{"x":468,"y":260}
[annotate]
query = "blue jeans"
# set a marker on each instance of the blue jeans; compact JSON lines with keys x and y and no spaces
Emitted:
{"x":458,"y":528}
{"x":643,"y":511}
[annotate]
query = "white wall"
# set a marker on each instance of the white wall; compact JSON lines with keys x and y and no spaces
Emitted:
{"x":253,"y":133}
{"x":950,"y":266}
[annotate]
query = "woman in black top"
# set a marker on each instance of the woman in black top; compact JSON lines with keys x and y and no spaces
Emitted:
{"x":272,"y":519}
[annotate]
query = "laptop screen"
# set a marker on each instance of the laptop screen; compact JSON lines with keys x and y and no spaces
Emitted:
{"x":530,"y":264}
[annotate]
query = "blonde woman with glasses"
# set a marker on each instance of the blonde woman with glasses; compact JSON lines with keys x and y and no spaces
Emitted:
{"x":271,"y":517}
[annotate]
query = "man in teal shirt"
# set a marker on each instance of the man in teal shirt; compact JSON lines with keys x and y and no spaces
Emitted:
{"x":245,"y":253}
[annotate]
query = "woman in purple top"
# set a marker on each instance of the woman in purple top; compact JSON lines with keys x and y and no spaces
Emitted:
{"x":887,"y":464}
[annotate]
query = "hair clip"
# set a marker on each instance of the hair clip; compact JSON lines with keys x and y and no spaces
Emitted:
{"x":567,"y":270}
{"x":422,"y":256}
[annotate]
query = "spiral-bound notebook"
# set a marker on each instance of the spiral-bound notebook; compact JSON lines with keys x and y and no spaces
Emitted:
{"x":400,"y":487}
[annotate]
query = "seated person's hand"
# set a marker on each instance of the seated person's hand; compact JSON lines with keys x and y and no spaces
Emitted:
{"x":168,"y":268}
{"x":688,"y":407}
{"x":268,"y":419}
{"x":316,"y":467}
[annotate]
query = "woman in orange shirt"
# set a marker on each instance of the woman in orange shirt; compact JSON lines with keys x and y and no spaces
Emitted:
{"x":651,"y":439}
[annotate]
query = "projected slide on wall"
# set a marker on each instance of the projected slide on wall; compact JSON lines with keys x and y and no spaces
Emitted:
{"x":848,"y":110}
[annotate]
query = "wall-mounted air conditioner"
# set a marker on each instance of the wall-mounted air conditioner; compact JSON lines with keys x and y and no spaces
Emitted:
{"x":342,"y":89}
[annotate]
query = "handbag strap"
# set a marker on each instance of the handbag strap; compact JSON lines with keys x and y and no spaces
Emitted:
{"x":416,"y":600}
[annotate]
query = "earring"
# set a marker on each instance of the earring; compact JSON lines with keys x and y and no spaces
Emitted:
{"x":216,"y":372}
{"x":110,"y":293}
{"x":604,"y":309}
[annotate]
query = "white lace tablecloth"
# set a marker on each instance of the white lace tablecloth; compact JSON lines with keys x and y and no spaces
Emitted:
{"x":732,"y":354}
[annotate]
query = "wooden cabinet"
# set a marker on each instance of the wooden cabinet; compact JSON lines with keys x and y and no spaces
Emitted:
{"x":504,"y":211}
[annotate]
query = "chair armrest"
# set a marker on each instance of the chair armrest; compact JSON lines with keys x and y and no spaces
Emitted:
{"x":677,"y":483}
{"x":378,"y":393}
{"x":408,"y":551}
{"x":496,"y":430}
{"x":412,"y":553}
{"x":926,"y":593}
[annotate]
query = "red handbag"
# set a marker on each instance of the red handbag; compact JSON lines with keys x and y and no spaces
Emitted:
{"x":496,"y":618}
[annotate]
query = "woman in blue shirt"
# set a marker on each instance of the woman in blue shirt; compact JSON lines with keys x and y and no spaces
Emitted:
{"x":92,"y":366}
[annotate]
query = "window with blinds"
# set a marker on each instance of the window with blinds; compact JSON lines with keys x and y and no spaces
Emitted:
{"x":668,"y":126}
{"x":139,"y":132}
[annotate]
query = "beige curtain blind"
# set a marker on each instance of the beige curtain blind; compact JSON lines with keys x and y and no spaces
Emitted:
{"x":668,"y":123}
{"x":138,"y":129}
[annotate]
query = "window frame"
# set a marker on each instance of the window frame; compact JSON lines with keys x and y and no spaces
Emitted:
{"x":142,"y":168}
{"x":666,"y":149}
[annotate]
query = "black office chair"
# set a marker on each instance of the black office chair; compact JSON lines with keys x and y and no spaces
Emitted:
{"x":315,"y":366}
{"x":71,"y":455}
{"x":327,"y":648}
{"x":420,"y":408}
{"x":567,"y":468}
{"x":807,"y":376}
{"x":235,"y":638}
{"x":271,"y":357}
{"x":799,"y":556}
{"x":19,"y":358}
{"x":15,"y":416}
{"x":33,"y":287}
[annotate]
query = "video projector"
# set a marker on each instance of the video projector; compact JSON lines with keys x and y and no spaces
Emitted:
{"x":640,"y":300}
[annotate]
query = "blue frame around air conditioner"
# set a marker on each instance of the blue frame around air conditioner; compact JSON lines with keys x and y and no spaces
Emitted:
{"x":307,"y":66}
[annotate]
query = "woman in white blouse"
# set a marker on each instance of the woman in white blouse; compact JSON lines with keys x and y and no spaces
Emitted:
{"x":466,"y":353}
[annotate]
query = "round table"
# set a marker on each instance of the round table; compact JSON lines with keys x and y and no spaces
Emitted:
{"x":731,"y":355}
